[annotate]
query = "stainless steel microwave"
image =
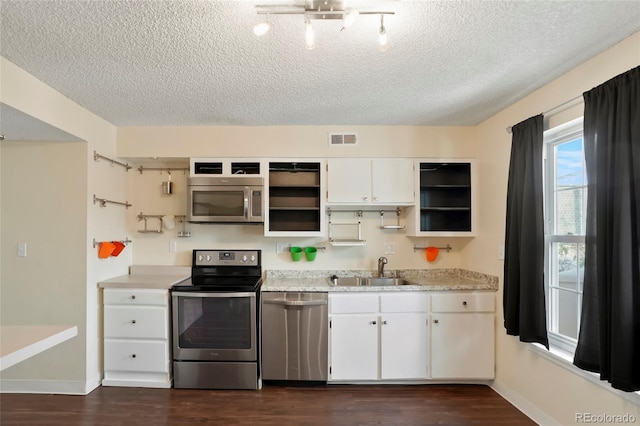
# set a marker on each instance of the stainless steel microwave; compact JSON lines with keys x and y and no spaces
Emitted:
{"x":225,"y":200}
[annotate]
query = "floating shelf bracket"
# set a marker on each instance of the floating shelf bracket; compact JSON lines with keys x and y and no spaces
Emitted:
{"x":396,"y":226}
{"x":150,"y":231}
{"x":103,"y":202}
{"x":98,"y":157}
{"x":358,"y":241}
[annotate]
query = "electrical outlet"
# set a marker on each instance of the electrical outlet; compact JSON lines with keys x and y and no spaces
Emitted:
{"x":173,"y":246}
{"x":500,"y":252}
{"x":22,"y":249}
{"x":389,"y":248}
{"x":282,"y":247}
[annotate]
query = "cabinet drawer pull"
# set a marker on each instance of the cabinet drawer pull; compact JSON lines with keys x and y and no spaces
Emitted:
{"x":133,"y":297}
{"x":384,"y":323}
{"x":436,"y":321}
{"x":133,"y":355}
{"x":464,"y":303}
{"x":373,"y":322}
{"x":133,"y":321}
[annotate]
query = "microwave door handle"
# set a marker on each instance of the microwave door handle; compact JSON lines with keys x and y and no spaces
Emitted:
{"x":246,"y":203}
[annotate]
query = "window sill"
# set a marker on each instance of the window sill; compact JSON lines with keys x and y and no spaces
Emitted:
{"x":565,"y":360}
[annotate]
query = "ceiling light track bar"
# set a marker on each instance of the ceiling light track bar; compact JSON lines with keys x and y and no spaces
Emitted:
{"x":312,"y":13}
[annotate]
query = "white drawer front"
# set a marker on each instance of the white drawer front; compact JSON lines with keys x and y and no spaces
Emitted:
{"x":149,"y":357}
{"x":357,"y":303}
{"x":145,"y":322}
{"x":136,"y":296}
{"x":404,"y":302}
{"x":463,"y":302}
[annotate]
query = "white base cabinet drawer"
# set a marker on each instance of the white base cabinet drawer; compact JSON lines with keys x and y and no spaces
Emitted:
{"x":127,"y":355}
{"x":356,"y":303}
{"x":463,"y":302}
{"x":125,"y":296}
{"x":143,"y":322}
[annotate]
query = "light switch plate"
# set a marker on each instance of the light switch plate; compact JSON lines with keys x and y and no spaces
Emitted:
{"x":22,"y":249}
{"x":282,"y":247}
{"x":389,"y":248}
{"x":500,"y":252}
{"x":173,"y":246}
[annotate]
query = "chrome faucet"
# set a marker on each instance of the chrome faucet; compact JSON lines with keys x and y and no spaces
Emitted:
{"x":381,"y":262}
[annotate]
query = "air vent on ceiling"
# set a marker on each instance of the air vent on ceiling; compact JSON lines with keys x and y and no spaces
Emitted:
{"x":343,"y":139}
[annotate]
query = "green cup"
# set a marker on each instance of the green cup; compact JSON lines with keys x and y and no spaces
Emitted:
{"x":296,"y":253}
{"x":310,"y":253}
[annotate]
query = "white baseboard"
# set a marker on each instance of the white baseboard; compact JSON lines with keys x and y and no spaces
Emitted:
{"x":524,"y":405}
{"x":67,"y":387}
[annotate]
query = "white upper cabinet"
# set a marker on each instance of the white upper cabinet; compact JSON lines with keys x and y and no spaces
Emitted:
{"x":365,"y":181}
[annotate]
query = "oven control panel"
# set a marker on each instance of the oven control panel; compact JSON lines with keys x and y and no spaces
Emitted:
{"x":226,"y":257}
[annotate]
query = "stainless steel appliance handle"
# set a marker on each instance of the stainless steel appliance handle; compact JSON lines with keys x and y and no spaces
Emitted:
{"x":247,"y":193}
{"x":208,"y":294}
{"x":295,"y":302}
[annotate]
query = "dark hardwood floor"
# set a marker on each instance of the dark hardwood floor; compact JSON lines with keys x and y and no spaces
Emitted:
{"x":273,"y":405}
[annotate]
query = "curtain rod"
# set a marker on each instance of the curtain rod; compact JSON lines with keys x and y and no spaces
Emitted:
{"x":557,"y":108}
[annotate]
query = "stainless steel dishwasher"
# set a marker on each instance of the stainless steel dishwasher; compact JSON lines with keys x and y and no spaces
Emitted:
{"x":294,"y":336}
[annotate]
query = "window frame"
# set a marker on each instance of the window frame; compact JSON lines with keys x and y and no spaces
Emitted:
{"x":552,"y":138}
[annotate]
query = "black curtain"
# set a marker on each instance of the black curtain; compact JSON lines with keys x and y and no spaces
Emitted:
{"x":523,"y":292}
{"x":609,"y":339}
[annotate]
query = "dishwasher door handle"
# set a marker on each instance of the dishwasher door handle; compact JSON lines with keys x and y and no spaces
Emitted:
{"x":295,"y":302}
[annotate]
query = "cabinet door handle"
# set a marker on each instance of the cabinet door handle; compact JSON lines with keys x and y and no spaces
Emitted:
{"x":436,"y":321}
{"x":133,"y":355}
{"x":373,"y":322}
{"x":133,"y":321}
{"x":384,"y":322}
{"x":464,"y":303}
{"x":365,"y":198}
{"x":133,"y":297}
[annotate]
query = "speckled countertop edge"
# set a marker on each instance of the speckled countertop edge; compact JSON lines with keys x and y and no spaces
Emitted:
{"x":421,"y":280}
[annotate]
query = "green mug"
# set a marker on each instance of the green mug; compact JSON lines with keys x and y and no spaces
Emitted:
{"x":296,"y":253}
{"x":310,"y":253}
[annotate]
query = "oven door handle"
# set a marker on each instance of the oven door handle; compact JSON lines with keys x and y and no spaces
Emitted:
{"x":295,"y":302}
{"x":212,"y":294}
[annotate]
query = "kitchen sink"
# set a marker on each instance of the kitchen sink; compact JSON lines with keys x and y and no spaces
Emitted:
{"x":371,"y":282}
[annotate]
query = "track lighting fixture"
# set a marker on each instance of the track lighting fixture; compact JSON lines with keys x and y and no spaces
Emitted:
{"x":321,"y":10}
{"x":309,"y":36}
{"x":263,"y":27}
{"x":382,"y":36}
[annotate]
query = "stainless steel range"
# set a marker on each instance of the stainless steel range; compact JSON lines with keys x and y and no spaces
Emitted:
{"x":215,"y":321}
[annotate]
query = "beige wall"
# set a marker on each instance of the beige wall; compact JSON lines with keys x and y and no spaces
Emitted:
{"x":43,"y":205}
{"x":554,"y":390}
{"x":22,"y":91}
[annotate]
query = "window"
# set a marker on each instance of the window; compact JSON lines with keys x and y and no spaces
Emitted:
{"x":565,"y":213}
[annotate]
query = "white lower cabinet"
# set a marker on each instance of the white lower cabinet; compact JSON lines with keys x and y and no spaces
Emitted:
{"x":137,"y":349}
{"x":411,"y":336}
{"x":378,"y":336}
{"x":462,"y":336}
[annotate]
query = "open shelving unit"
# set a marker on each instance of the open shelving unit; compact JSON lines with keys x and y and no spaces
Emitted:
{"x":294,"y":197}
{"x":445,"y":197}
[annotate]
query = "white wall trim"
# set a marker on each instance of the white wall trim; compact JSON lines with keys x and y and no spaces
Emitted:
{"x":67,"y":387}
{"x":92,"y":384}
{"x":523,"y":404}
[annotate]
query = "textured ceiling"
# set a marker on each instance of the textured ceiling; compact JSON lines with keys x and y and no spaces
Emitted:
{"x":192,"y":63}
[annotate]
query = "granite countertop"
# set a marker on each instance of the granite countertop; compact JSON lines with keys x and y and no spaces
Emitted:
{"x":421,"y":280}
{"x":151,"y":277}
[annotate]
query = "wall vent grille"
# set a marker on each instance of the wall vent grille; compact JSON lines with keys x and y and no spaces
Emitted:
{"x":343,"y":139}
